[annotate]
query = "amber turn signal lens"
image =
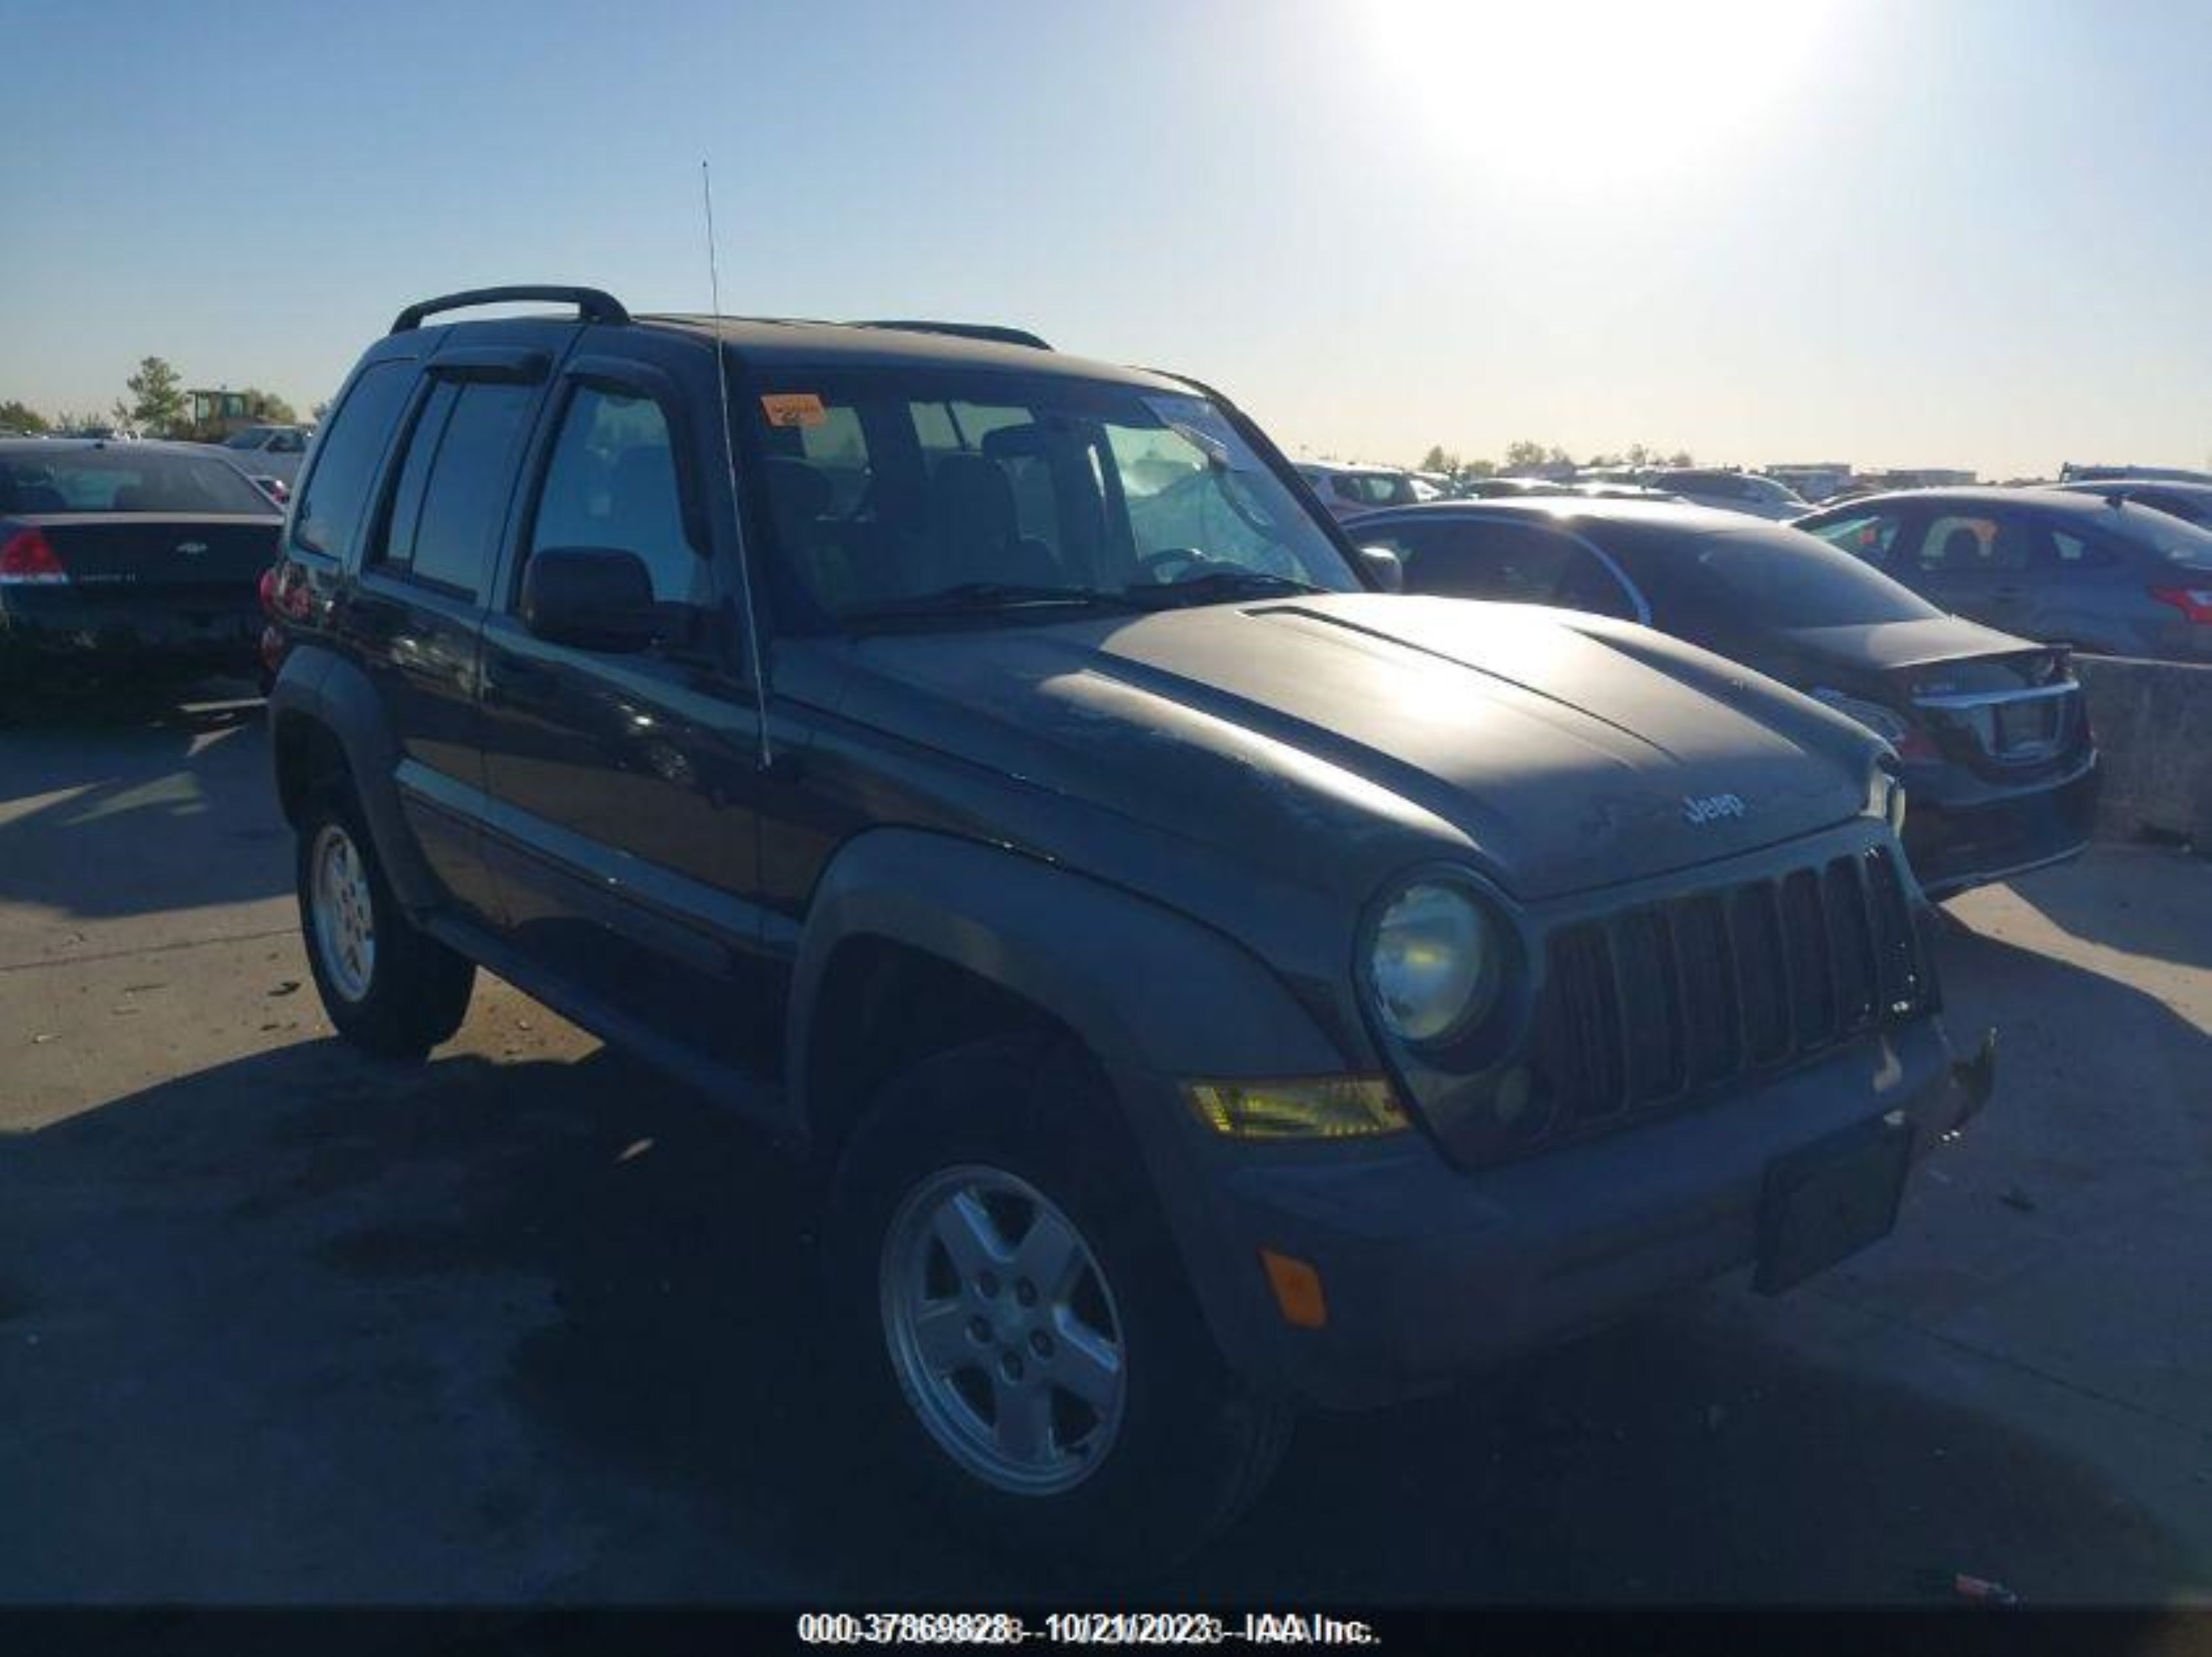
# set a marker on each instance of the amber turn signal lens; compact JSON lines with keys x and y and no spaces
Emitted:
{"x":1297,"y":1290}
{"x":1313,"y":1108}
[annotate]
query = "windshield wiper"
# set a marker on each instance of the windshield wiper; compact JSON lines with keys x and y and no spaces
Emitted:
{"x":982,"y":598}
{"x":1215,"y":586}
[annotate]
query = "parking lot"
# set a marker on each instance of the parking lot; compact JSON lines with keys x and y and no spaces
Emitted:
{"x":280,"y":1324}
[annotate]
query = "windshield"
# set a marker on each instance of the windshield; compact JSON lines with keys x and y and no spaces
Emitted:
{"x":902,"y":492}
{"x":132,"y":479}
{"x":1783,"y":577}
{"x":251,"y":438}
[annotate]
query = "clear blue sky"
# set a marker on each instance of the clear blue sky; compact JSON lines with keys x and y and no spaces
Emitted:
{"x":1893,"y":232}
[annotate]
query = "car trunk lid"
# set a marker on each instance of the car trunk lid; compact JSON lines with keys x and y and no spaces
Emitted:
{"x":141,"y":554}
{"x":2005,"y":708}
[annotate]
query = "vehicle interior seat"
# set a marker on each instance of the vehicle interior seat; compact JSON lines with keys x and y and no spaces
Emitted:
{"x":1962,"y":549}
{"x":800,"y":497}
{"x":976,"y":529}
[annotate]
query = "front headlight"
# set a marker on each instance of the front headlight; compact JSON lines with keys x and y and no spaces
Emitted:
{"x":1434,"y":966}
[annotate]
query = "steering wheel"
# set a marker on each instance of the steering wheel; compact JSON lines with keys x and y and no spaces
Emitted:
{"x":1156,"y":564}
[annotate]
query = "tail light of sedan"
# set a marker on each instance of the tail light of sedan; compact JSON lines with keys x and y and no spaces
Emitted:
{"x":2195,"y":602}
{"x":27,"y":559}
{"x":1911,"y":742}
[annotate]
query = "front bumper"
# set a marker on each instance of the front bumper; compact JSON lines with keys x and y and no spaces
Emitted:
{"x":1955,"y":847}
{"x":1430,"y":1273}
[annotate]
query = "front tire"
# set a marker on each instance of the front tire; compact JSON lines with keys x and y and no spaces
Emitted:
{"x":1023,"y":1337}
{"x":389,"y":987}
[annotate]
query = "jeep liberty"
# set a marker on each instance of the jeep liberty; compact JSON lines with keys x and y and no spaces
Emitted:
{"x":1207,"y":982}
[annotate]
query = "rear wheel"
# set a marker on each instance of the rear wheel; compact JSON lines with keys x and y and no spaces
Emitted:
{"x":1020,"y":1331}
{"x":390,"y":987}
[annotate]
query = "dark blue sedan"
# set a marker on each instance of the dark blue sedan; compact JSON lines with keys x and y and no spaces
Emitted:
{"x":1992,"y":732}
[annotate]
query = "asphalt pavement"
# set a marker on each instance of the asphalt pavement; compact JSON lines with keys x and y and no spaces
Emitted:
{"x":281,"y":1324}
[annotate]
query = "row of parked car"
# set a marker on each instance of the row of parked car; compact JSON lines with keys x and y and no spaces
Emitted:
{"x":2128,"y":585}
{"x":1207,"y":966}
{"x":1348,"y":490}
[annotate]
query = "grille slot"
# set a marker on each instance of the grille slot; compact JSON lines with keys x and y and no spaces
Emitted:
{"x":1650,"y":1006}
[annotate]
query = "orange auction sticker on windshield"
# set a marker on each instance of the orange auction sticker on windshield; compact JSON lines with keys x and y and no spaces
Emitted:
{"x":794,"y":409}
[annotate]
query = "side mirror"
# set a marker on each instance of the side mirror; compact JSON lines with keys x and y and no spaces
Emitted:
{"x":592,"y":597}
{"x":1384,"y":568}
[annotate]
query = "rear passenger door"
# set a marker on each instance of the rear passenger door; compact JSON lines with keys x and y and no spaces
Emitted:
{"x":413,"y":614}
{"x":623,"y":825}
{"x":2078,"y":593}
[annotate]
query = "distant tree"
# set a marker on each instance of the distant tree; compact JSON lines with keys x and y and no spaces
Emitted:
{"x":118,"y":412}
{"x":1638,"y":455}
{"x":1438,"y":459}
{"x":1681,"y":457}
{"x":21,"y":416}
{"x":158,"y":396}
{"x":71,"y":420}
{"x":1478,"y":468}
{"x":320,"y":411}
{"x":269,"y":407}
{"x":1524,"y":456}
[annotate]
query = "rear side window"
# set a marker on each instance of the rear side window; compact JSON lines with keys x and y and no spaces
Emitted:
{"x":1511,"y":563}
{"x":451,"y":497}
{"x":1967,"y":543}
{"x":2078,"y":552}
{"x":337,"y":492}
{"x":1413,"y":542}
{"x":1868,"y":534}
{"x":1505,"y":561}
{"x":611,"y":484}
{"x":1586,"y":584}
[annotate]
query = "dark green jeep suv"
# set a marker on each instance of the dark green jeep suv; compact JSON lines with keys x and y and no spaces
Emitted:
{"x":1204,"y":980}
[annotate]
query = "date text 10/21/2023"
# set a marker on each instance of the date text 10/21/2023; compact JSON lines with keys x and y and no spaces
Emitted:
{"x":1082,"y":1629}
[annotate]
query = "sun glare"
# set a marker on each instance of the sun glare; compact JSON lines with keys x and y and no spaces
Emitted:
{"x":1579,"y":94}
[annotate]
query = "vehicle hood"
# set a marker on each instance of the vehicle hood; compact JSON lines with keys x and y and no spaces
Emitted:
{"x":1345,"y":736}
{"x":1881,"y":646}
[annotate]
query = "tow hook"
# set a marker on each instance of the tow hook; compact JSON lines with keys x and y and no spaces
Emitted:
{"x":1976,"y":1079}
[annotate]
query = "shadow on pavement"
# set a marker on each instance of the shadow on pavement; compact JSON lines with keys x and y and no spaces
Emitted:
{"x":2154,"y":901}
{"x":149,"y":800}
{"x":306,"y":1327}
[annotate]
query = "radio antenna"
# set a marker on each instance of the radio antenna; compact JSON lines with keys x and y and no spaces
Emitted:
{"x":729,"y":467}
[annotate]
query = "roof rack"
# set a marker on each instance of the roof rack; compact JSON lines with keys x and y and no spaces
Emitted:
{"x":990,"y":330}
{"x":592,"y":304}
